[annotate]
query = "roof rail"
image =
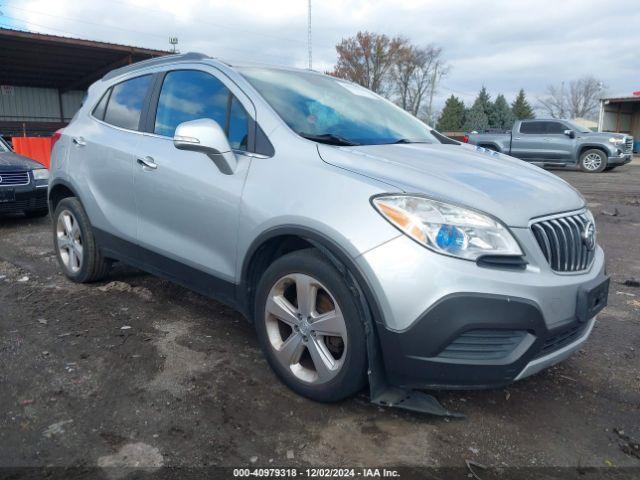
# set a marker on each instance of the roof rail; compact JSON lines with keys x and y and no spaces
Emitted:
{"x":152,"y":62}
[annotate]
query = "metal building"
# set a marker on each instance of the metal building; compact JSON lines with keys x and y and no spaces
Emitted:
{"x":621,"y":114}
{"x":43,"y":78}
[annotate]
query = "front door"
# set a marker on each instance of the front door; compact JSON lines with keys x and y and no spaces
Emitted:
{"x":187,"y":209}
{"x":559,"y":145}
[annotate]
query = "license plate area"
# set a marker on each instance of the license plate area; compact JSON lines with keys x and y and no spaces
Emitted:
{"x":7,"y":195}
{"x":592,"y":299}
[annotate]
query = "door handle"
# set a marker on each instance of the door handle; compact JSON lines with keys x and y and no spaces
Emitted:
{"x":147,"y":163}
{"x":517,"y":138}
{"x":79,"y":141}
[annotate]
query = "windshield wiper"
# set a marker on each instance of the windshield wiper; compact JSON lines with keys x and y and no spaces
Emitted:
{"x":329,"y":138}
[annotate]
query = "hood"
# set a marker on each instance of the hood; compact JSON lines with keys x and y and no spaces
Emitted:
{"x":604,"y":136}
{"x":10,"y":161}
{"x":507,"y":188}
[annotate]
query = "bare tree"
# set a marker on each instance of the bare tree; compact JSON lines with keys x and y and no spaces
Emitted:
{"x":579,"y":99}
{"x":367,"y":58}
{"x":416,"y":74}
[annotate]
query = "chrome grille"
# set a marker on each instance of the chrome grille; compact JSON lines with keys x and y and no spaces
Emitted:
{"x":13,"y":178}
{"x":628,"y":145}
{"x":560,"y":240}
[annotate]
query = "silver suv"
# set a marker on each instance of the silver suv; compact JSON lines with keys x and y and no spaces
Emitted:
{"x":361,"y":243}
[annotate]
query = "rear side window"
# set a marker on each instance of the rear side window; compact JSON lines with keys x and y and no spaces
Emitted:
{"x":532,"y":127}
{"x":98,"y":112}
{"x":190,"y":95}
{"x":125,"y":103}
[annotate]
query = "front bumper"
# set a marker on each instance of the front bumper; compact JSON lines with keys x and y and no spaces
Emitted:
{"x":620,"y":159}
{"x":449,"y":323}
{"x":27,"y":198}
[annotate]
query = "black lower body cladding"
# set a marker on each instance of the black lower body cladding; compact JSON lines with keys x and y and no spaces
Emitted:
{"x":470,"y":340}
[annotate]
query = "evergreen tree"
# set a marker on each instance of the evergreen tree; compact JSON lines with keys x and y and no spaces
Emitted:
{"x":521,"y":108}
{"x":452,"y":116}
{"x":476,"y":119}
{"x":484,"y":99}
{"x":501,"y":115}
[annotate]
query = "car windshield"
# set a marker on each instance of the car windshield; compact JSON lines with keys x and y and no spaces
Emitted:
{"x":330,"y":110}
{"x":3,"y":146}
{"x":577,"y":127}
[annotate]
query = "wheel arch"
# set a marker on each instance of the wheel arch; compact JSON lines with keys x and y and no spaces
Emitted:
{"x":59,"y":190}
{"x":590,"y":146}
{"x":279,"y":241}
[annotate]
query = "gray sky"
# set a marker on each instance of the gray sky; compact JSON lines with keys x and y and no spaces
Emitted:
{"x":504,"y":45}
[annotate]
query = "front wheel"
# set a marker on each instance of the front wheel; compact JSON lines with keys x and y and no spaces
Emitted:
{"x":593,"y":161}
{"x":310,"y":327}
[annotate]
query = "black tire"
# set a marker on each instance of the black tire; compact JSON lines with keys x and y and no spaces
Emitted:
{"x":43,"y":212}
{"x":351,"y":376}
{"x":93,"y":266}
{"x":587,"y":154}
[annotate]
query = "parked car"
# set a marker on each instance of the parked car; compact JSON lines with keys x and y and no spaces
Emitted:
{"x":559,"y":142}
{"x":23,"y":184}
{"x":345,"y":229}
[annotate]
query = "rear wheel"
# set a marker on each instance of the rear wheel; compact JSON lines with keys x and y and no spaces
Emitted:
{"x":593,"y":161}
{"x":75,"y":245}
{"x":310,"y":327}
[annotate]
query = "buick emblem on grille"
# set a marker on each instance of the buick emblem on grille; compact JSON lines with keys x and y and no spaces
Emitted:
{"x":589,"y":236}
{"x":0,"y":179}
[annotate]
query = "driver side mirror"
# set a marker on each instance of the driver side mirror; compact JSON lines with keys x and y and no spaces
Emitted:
{"x":570,"y":133}
{"x":206,"y":136}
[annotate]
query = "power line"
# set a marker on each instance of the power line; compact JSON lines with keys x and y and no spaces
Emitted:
{"x":75,"y":34}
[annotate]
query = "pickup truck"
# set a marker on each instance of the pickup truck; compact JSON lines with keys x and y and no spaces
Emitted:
{"x":559,"y":142}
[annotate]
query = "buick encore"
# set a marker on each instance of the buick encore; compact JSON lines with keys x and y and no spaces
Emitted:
{"x":344,"y":228}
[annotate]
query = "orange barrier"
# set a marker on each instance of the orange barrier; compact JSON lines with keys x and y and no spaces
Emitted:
{"x":36,"y":148}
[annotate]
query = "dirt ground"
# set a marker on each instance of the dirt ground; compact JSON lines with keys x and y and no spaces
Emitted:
{"x":138,"y":371}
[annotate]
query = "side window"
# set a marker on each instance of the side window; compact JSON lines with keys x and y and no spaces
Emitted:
{"x":190,"y":95}
{"x":238,"y":125}
{"x":125,"y":103}
{"x":555,"y":128}
{"x":98,"y":112}
{"x":532,"y":128}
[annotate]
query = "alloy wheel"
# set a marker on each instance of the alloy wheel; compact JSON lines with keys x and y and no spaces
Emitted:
{"x":306,"y":328}
{"x":592,"y":161}
{"x":69,"y":240}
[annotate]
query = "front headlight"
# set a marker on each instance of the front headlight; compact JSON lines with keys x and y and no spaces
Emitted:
{"x":40,"y":174}
{"x":447,"y":229}
{"x":616,"y":140}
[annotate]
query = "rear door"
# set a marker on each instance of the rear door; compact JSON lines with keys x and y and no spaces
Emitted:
{"x":187,"y":209}
{"x":102,"y":154}
{"x":529,"y":142}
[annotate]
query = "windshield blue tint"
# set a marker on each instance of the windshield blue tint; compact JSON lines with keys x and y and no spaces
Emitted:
{"x":319,"y":105}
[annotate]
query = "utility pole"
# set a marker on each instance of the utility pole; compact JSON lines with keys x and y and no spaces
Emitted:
{"x":173,"y":41}
{"x":309,"y":36}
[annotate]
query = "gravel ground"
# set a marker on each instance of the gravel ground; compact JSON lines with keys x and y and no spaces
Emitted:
{"x":138,"y":371}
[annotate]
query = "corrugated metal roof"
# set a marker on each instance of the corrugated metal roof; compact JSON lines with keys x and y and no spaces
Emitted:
{"x":43,"y":60}
{"x":622,"y":98}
